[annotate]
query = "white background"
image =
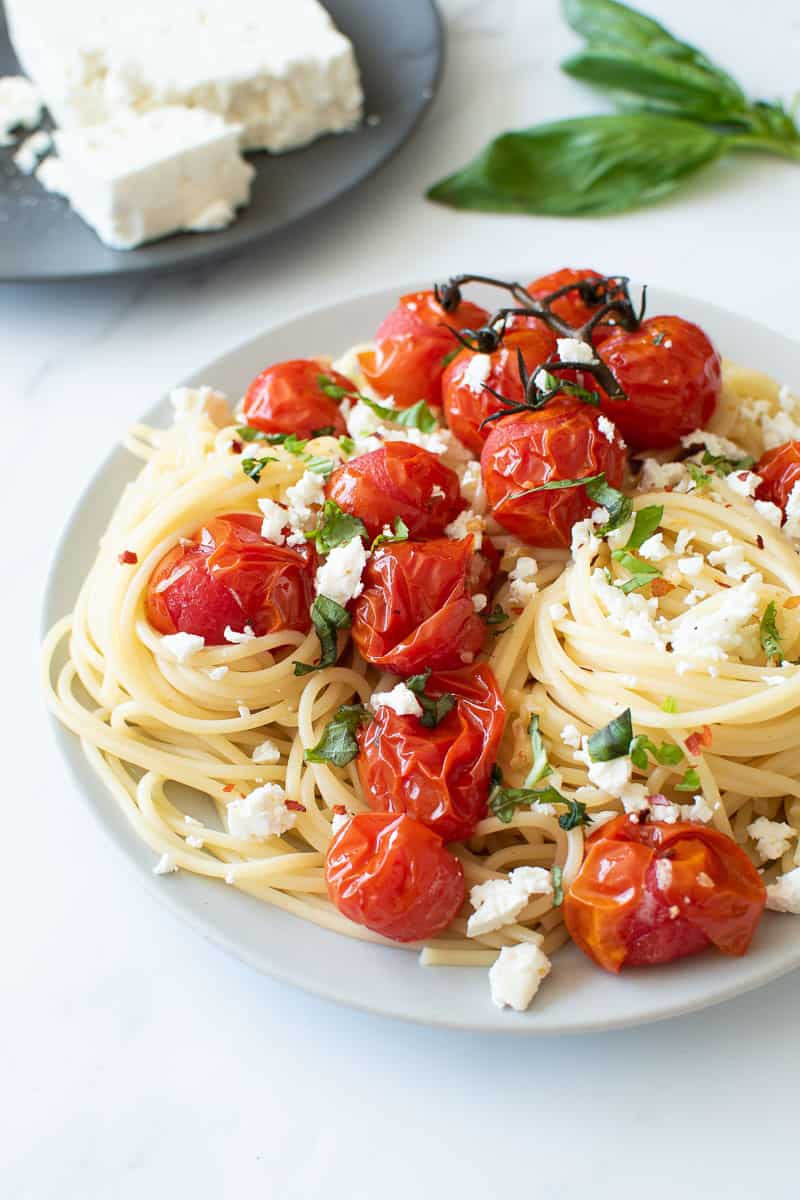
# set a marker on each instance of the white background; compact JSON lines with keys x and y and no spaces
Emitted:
{"x":136,"y":1059}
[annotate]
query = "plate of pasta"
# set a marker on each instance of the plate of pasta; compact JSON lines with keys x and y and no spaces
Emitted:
{"x":440,"y":652}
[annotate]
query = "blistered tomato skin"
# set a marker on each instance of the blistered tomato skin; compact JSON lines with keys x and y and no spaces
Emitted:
{"x":780,"y":471}
{"x":672,"y":377}
{"x":467,"y":403}
{"x":416,"y":609}
{"x":571,"y":307}
{"x":398,"y":480}
{"x":228,"y":575}
{"x":651,"y":892}
{"x":441,"y":776}
{"x":560,"y":441}
{"x":288,"y":398}
{"x":411,"y":345}
{"x":392,"y":875}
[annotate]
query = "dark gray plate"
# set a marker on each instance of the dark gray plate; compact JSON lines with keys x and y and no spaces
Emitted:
{"x":399,"y":49}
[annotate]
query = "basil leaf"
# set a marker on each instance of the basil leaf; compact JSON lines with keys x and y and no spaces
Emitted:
{"x":246,"y":433}
{"x":576,"y":815}
{"x":335,"y":528}
{"x":613,"y":740}
{"x":328,"y":618}
{"x":319,"y":465}
{"x":558,"y":886}
{"x":608,"y":21}
{"x":641,"y":572}
{"x":646,"y":523}
{"x":540,"y":767}
{"x":400,"y":534}
{"x":346,"y":444}
{"x":769,"y":634}
{"x":498,"y":616}
{"x":323,"y":431}
{"x":670,"y":705}
{"x":667,"y":754}
{"x":723,"y":466}
{"x":702,"y":480}
{"x":417,"y":416}
{"x":618,"y":506}
{"x":557,"y":484}
{"x":504,"y":802}
{"x":690,"y":781}
{"x":586,"y":166}
{"x":433,"y":711}
{"x":338,"y":743}
{"x":334,"y":390}
{"x":253,"y":467}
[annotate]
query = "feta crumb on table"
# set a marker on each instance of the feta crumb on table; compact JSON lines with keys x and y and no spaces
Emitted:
{"x":784,"y":894}
{"x":516,"y":975}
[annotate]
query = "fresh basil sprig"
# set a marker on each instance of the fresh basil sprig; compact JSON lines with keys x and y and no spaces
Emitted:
{"x":416,"y":416}
{"x":504,"y":802}
{"x":770,"y":635}
{"x":618,"y":506}
{"x":433,"y":711}
{"x":328,"y":618}
{"x":644,"y":526}
{"x":641,"y":572}
{"x":338,"y":743}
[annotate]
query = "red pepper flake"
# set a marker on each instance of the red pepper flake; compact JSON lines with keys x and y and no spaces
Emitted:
{"x":236,"y":446}
{"x":228,"y":787}
{"x":128,"y":558}
{"x":706,"y":736}
{"x":339,"y":810}
{"x":660,"y":587}
{"x":759,"y":541}
{"x":295,"y":806}
{"x":693,"y":744}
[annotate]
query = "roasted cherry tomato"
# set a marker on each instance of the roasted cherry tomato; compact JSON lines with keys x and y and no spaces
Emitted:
{"x":651,"y":892}
{"x":780,"y":471}
{"x":229,"y":574}
{"x":399,"y":480}
{"x":440,"y":776}
{"x":571,"y":307}
{"x":672,"y":376}
{"x":467,"y":403}
{"x":560,"y":441}
{"x":416,"y":609}
{"x":411,"y":345}
{"x":394,"y":876}
{"x":288,"y":398}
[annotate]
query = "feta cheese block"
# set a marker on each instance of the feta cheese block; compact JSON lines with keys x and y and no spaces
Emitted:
{"x":20,"y":107}
{"x":141,"y":176}
{"x":280,"y":70}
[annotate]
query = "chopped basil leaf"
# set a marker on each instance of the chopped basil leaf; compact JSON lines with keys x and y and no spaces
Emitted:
{"x":670,"y":705}
{"x":498,"y":616}
{"x":723,"y":466}
{"x":335,"y":528}
{"x":328,"y":618}
{"x":417,"y":416}
{"x":433,"y":711}
{"x":325,"y":431}
{"x":769,"y":634}
{"x":319,"y":465}
{"x":613,"y":740}
{"x":540,"y":767}
{"x":576,"y":814}
{"x":702,"y":479}
{"x":658,"y":337}
{"x":667,"y":754}
{"x":333,"y":390}
{"x":556,"y":484}
{"x":338,"y":743}
{"x":253,"y":467}
{"x":558,"y":886}
{"x":504,"y":802}
{"x":690,"y":781}
{"x":618,"y":506}
{"x":400,"y":534}
{"x":346,"y":444}
{"x":246,"y":433}
{"x":641,"y":572}
{"x":646,"y":523}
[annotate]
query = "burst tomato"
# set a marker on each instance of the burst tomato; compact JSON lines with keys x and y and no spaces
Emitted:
{"x":440,"y":776}
{"x":672,"y":376}
{"x":394,"y":876}
{"x":467,"y":403}
{"x":571,"y":307}
{"x":651,"y":892}
{"x":411,"y":345}
{"x":229,"y":574}
{"x":399,"y":480}
{"x":780,"y":471}
{"x":416,"y":609}
{"x":560,"y":441}
{"x":288,"y":398}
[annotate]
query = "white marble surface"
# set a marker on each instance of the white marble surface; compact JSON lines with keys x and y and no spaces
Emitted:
{"x":135,"y":1059}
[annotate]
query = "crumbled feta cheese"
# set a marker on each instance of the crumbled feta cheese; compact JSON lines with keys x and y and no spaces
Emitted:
{"x":266,"y":752}
{"x":699,"y":810}
{"x":477,"y":372}
{"x":243,"y":710}
{"x":401,"y":700}
{"x":713,"y":443}
{"x":467,"y":523}
{"x":744,"y":483}
{"x":472,"y":487}
{"x":182,"y":645}
{"x":583,"y":536}
{"x":614,"y":778}
{"x":516,"y":974}
{"x":570,"y":736}
{"x":656,"y":476}
{"x":274,"y":521}
{"x":31,"y":150}
{"x":337,"y":821}
{"x":190,"y":403}
{"x":479,"y":602}
{"x":669,"y":813}
{"x":685,"y":536}
{"x":557,"y":612}
{"x":261,"y":814}
{"x":721,"y":537}
{"x":772,"y":838}
{"x":632,"y":614}
{"x":653,"y":548}
{"x":165,"y":865}
{"x":792,"y":525}
{"x":20,"y":106}
{"x":713,"y":635}
{"x":296,"y":538}
{"x":607,"y":428}
{"x":784,"y":894}
{"x":770,"y":512}
{"x":691,"y":565}
{"x":437,"y":493}
{"x":237,"y":638}
{"x":733,"y":560}
{"x":309,"y":491}
{"x":574,"y":350}
{"x":523,"y":585}
{"x":498,"y":902}
{"x":339,"y":577}
{"x":216,"y":673}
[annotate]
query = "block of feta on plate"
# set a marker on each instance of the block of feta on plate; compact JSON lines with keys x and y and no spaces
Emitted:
{"x":141,"y":176}
{"x":280,"y":69}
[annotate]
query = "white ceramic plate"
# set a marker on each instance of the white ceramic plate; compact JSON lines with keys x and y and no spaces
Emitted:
{"x":578,"y":996}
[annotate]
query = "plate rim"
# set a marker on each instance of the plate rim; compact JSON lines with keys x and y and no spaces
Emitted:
{"x":203,"y":924}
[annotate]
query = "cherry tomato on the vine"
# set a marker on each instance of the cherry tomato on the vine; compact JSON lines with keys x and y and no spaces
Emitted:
{"x":229,"y":575}
{"x":441,"y":776}
{"x":394,"y":876}
{"x":288,"y":398}
{"x":411,"y":345}
{"x":561,"y":441}
{"x":398,"y":480}
{"x":779,"y":469}
{"x":416,"y":609}
{"x":467,"y":402}
{"x":650,"y":892}
{"x":571,"y":307}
